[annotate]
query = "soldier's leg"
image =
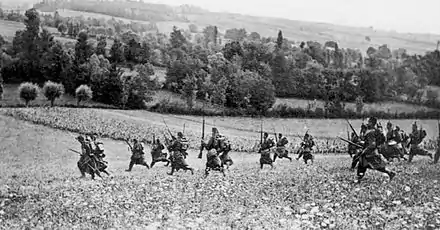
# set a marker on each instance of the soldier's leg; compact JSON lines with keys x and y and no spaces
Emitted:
{"x":81,"y":169}
{"x":354,"y":163}
{"x":172,"y":170}
{"x":145,"y":164}
{"x":388,"y":172}
{"x":361,"y":172}
{"x":130,"y":166}
{"x":437,"y":156}
{"x":411,"y":155}
{"x":275,"y":156}
{"x":152,"y":163}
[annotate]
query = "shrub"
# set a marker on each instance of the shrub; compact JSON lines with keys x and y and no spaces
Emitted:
{"x":83,"y":93}
{"x":28,"y":92}
{"x":52,"y":91}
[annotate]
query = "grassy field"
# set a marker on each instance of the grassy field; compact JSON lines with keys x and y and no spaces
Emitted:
{"x":40,"y":188}
{"x":11,"y":98}
{"x":242,"y":132}
{"x":8,"y":29}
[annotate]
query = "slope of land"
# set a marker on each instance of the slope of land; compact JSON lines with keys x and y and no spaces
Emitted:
{"x":40,"y":188}
{"x":349,"y":37}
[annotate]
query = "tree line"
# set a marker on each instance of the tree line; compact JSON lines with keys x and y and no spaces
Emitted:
{"x":245,"y":74}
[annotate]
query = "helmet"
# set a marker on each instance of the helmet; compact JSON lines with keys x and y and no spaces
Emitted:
{"x":80,"y":138}
{"x":389,"y":125}
{"x":180,"y":134}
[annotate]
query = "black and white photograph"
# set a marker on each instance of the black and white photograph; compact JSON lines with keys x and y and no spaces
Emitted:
{"x":191,"y":114}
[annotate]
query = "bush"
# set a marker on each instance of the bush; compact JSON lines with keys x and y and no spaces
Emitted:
{"x":28,"y":92}
{"x":52,"y":91}
{"x":83,"y":93}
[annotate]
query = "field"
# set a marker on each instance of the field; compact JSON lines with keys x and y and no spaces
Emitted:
{"x":8,"y":29}
{"x":242,"y":132}
{"x":40,"y":188}
{"x":11,"y":98}
{"x":347,"y":37}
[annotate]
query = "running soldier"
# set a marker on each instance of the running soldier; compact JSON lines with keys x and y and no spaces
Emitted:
{"x":157,"y":155}
{"x":178,"y":150}
{"x":281,"y":150}
{"x":370,"y":157}
{"x":393,"y":139}
{"x":265,"y":151}
{"x":416,"y":138}
{"x":137,"y":157}
{"x":221,"y":145}
{"x":305,"y":150}
{"x":87,"y":162}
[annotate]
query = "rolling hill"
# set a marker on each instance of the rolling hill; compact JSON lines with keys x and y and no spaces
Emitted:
{"x":183,"y":16}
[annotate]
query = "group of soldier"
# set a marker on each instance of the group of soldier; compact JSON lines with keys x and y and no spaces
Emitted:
{"x":367,"y":149}
{"x":374,"y":147}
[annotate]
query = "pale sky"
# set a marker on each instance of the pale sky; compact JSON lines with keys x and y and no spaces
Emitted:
{"x":421,"y":16}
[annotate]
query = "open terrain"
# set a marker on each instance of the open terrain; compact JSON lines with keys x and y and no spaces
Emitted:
{"x":40,"y":188}
{"x":242,"y":132}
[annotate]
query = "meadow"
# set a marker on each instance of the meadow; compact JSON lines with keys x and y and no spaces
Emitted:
{"x":40,"y":188}
{"x":244,"y":133}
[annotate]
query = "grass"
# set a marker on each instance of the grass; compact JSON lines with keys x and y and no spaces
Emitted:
{"x":242,"y":132}
{"x":8,"y":28}
{"x":11,"y":99}
{"x":40,"y":188}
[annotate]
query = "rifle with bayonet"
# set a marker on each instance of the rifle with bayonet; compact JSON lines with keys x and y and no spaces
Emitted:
{"x":169,"y":131}
{"x":203,"y":137}
{"x":354,"y":131}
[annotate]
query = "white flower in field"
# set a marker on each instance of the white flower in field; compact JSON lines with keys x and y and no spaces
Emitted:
{"x":407,"y":188}
{"x":389,"y":193}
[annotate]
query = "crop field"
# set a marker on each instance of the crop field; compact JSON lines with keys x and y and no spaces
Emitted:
{"x":40,"y":188}
{"x":242,"y":132}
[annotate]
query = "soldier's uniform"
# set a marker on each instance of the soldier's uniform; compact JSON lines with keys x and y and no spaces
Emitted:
{"x":393,"y":143}
{"x":137,"y":158}
{"x":157,"y":155}
{"x":265,"y":151}
{"x":221,"y":145}
{"x":370,"y":157}
{"x":416,"y":137}
{"x":178,"y":154}
{"x":281,"y":150}
{"x":306,"y":147}
{"x":437,"y":153}
{"x":87,"y":158}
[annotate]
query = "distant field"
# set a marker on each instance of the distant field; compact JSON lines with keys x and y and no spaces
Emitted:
{"x":8,"y":28}
{"x":11,"y":98}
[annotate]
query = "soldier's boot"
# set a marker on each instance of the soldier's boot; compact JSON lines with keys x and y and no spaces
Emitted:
{"x":130,"y":166}
{"x":261,"y":166}
{"x":274,"y":157}
{"x":411,"y":156}
{"x":152,"y":164}
{"x":146,"y":165}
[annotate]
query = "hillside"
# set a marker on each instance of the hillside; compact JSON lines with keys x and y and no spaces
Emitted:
{"x":351,"y":37}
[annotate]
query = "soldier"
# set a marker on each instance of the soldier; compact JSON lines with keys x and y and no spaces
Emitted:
{"x":306,"y":148}
{"x":391,"y":148}
{"x":97,"y":148}
{"x":88,"y":163}
{"x":437,"y":153}
{"x":178,"y":151}
{"x":370,"y":158}
{"x":137,"y":157}
{"x":265,"y":151}
{"x":281,"y":151}
{"x":416,"y":137}
{"x":213,"y":162}
{"x":86,"y":153}
{"x":157,"y":155}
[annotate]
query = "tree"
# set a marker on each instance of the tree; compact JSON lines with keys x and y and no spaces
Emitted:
{"x":62,"y":29}
{"x":431,"y":96}
{"x":102,"y":44}
{"x":177,"y":40}
{"x":83,"y":93}
{"x":254,"y":36}
{"x":117,"y":52}
{"x":83,"y":50}
{"x":52,"y":91}
{"x":210,"y":34}
{"x":359,"y":104}
{"x":28,"y":92}
{"x":280,"y":40}
{"x":236,"y":34}
{"x":193,"y":28}
{"x":189,"y":90}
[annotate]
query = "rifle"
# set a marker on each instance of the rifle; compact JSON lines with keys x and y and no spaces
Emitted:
{"x":275,"y":133}
{"x":171,"y":134}
{"x":203,"y":137}
{"x":261,"y":132}
{"x":130,"y":148}
{"x":352,"y":143}
{"x":76,"y":152}
{"x":355,"y":133}
{"x":183,"y":128}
